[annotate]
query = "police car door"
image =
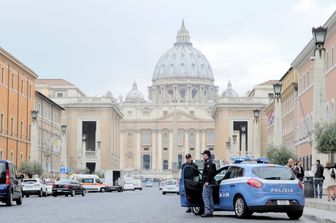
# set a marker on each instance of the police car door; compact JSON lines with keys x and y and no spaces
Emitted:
{"x":227,"y":187}
{"x":191,"y":187}
{"x":220,"y":174}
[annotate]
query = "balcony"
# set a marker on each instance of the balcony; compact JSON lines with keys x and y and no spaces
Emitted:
{"x":91,"y":154}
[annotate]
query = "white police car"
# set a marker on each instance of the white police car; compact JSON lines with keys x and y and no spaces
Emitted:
{"x":246,"y":188}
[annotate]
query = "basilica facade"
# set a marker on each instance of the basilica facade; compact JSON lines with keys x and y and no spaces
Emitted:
{"x":176,"y":119}
{"x":178,"y":116}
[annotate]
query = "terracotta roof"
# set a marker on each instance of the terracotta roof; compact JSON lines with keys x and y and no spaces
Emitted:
{"x":54,"y":82}
{"x":269,"y":82}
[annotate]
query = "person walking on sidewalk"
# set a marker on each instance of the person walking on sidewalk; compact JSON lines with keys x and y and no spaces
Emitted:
{"x":330,"y":181}
{"x":190,"y":172}
{"x":318,"y":179}
{"x":299,"y":170}
{"x":209,"y":171}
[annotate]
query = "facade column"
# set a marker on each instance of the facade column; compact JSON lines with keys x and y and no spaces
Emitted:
{"x":122,"y":150}
{"x":203,"y":134}
{"x":186,"y":138}
{"x":171,"y":148}
{"x":154,"y":149}
{"x":138,"y":150}
{"x":159,"y":149}
{"x":198,"y":145}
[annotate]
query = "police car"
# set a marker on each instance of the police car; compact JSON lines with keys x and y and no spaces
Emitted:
{"x":245,"y":187}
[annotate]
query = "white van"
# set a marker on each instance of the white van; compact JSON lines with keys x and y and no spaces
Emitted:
{"x":90,"y":182}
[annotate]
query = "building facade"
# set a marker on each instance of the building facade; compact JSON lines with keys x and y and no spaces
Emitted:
{"x":47,"y":135}
{"x":93,"y":126}
{"x":17,"y":87}
{"x":241,"y":123}
{"x":288,"y":108}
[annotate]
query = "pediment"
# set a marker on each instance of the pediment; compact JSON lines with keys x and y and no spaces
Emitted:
{"x":180,"y":115}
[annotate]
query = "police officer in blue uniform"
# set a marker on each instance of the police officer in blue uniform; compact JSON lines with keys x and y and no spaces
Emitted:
{"x":209,"y":171}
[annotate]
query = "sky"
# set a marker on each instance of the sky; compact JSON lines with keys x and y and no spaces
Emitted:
{"x":106,"y":45}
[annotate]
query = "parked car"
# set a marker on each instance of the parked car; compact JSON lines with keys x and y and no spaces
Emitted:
{"x":247,"y":188}
{"x":137,"y":184}
{"x":128,"y":185}
{"x":170,"y":186}
{"x":10,"y":185}
{"x":149,"y":183}
{"x":50,"y":184}
{"x":68,"y":187}
{"x":34,"y":187}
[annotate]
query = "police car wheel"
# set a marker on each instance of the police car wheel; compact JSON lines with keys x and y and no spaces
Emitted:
{"x":295,"y":215}
{"x":240,"y":208}
{"x":197,"y":210}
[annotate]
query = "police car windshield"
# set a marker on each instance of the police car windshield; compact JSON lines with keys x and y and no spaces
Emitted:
{"x":273,"y":173}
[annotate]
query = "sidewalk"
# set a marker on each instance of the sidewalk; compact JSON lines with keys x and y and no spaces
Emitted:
{"x":320,"y":210}
{"x":322,"y":204}
{"x":318,"y":215}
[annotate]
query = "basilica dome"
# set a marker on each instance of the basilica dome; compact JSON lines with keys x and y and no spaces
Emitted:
{"x":229,"y":92}
{"x":134,"y":95}
{"x":183,"y":61}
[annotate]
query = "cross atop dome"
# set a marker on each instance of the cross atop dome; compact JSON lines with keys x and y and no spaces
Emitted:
{"x":183,"y":37}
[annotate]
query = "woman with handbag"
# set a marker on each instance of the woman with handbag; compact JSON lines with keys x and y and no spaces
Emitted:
{"x":330,"y":181}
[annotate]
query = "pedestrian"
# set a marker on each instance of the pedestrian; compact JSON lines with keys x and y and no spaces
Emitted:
{"x":299,"y":170}
{"x":290,"y":165}
{"x":330,"y":182}
{"x":190,"y":172}
{"x":209,"y":171}
{"x":318,"y":170}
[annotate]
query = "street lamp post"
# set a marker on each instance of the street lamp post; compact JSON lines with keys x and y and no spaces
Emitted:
{"x":319,"y":93}
{"x":33,"y":137}
{"x":80,"y":154}
{"x":257,"y":133}
{"x":64,"y":163}
{"x":277,"y":132}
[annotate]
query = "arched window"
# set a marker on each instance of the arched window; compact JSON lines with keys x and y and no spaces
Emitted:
{"x":129,"y":138}
{"x":165,"y":165}
{"x":180,"y":137}
{"x":165,"y":140}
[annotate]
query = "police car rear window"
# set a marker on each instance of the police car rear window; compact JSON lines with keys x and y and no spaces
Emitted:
{"x":273,"y":173}
{"x":2,"y":173}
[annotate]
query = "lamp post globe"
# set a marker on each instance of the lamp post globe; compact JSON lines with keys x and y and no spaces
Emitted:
{"x":319,"y":35}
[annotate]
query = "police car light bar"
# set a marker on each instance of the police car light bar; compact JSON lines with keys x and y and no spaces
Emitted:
{"x":247,"y":159}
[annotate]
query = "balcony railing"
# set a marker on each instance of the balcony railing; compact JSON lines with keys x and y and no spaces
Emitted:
{"x":91,"y":153}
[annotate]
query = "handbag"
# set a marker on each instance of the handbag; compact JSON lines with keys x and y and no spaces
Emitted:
{"x":332,"y":174}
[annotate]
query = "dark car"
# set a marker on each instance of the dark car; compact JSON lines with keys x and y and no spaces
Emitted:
{"x":10,"y":185}
{"x":68,"y":187}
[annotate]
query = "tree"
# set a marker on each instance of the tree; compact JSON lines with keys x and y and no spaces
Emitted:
{"x":31,"y":168}
{"x":325,"y":135}
{"x":280,"y":155}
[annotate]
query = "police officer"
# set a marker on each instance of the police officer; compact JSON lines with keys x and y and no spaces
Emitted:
{"x":209,"y":171}
{"x":189,"y":173}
